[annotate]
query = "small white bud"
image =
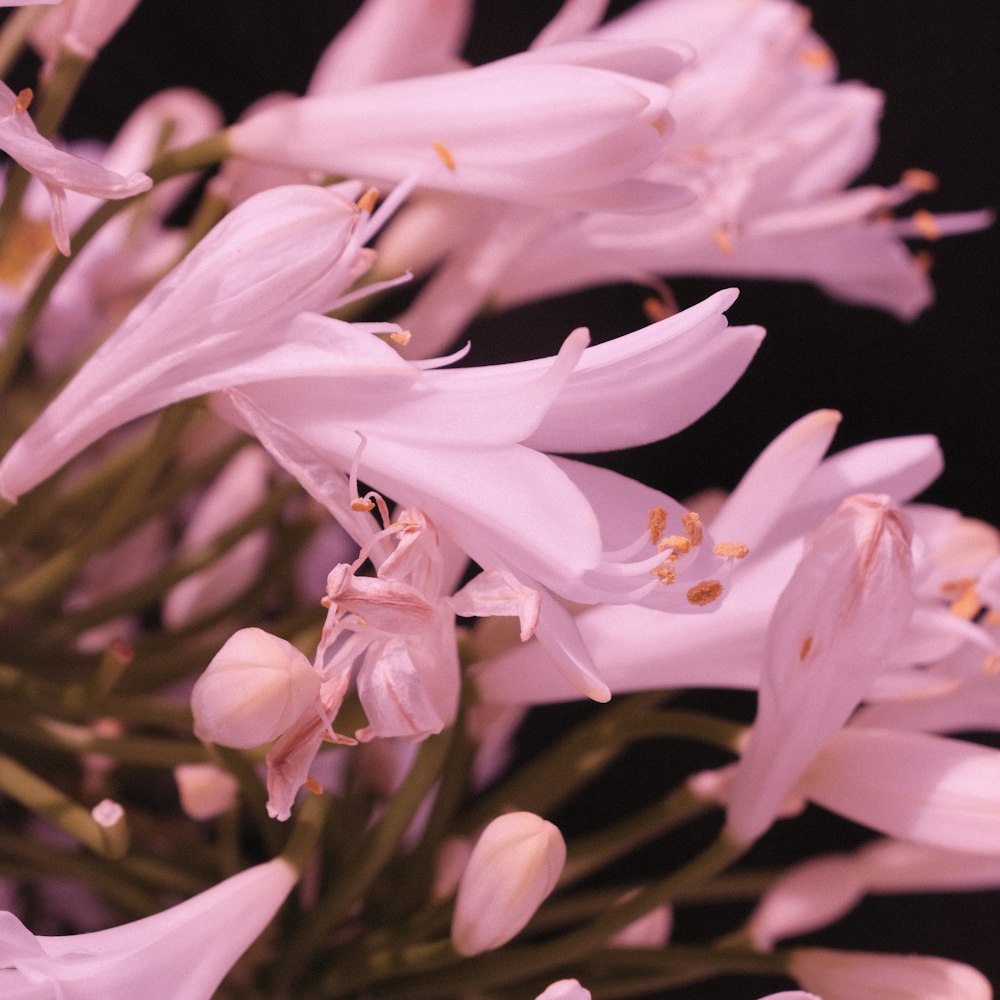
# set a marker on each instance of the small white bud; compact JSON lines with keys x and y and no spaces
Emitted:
{"x":514,"y":866}
{"x":205,"y":790}
{"x":256,"y":686}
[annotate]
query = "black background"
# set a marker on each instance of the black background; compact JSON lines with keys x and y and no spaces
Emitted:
{"x":937,"y":63}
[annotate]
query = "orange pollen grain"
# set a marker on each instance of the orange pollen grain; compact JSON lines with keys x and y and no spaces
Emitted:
{"x":313,"y":785}
{"x":806,"y":646}
{"x":731,"y":550}
{"x":368,"y":200}
{"x":656,"y":522}
{"x":667,"y":574}
{"x":704,"y":593}
{"x":922,"y":181}
{"x":23,"y":101}
{"x":402,"y":337}
{"x":723,"y":241}
{"x":926,"y":224}
{"x":444,"y":153}
{"x":692,"y":527}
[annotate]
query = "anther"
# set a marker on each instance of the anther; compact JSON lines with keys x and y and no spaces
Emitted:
{"x":704,"y":593}
{"x":806,"y":647}
{"x":692,"y":527}
{"x":926,"y":224}
{"x":679,"y":543}
{"x":666,"y":574}
{"x":23,"y":101}
{"x":921,"y":181}
{"x":444,"y":153}
{"x":657,"y":522}
{"x":731,"y":550}
{"x":991,"y":665}
{"x":368,"y":200}
{"x":401,"y":337}
{"x":362,"y":505}
{"x":723,"y":241}
{"x":817,"y":57}
{"x":313,"y":785}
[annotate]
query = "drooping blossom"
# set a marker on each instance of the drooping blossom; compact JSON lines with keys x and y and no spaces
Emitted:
{"x":57,"y":169}
{"x":184,"y":951}
{"x":514,"y":866}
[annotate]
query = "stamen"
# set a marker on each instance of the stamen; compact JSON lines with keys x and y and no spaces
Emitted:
{"x":731,"y":550}
{"x":313,"y":785}
{"x":966,"y":604}
{"x":444,"y":153}
{"x":657,"y":521}
{"x":667,"y":574}
{"x":692,"y":527}
{"x":704,"y":593}
{"x":806,"y":647}
{"x":368,"y":200}
{"x":926,"y":224}
{"x":921,"y":181}
{"x":23,"y":101}
{"x":403,"y":337}
{"x":991,"y":665}
{"x":655,"y":309}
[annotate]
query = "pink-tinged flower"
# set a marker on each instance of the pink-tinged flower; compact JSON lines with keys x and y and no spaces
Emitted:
{"x":833,"y":630}
{"x":847,"y":975}
{"x":58,"y":170}
{"x":82,"y":27}
{"x":230,"y":302}
{"x":513,"y":867}
{"x":782,"y":498}
{"x":766,"y":141}
{"x":205,"y":790}
{"x":819,"y":891}
{"x":915,"y":786}
{"x":522,"y":130}
{"x":235,"y":493}
{"x":184,"y":951}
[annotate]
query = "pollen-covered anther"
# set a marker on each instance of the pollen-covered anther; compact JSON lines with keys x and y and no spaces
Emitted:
{"x":692,"y":527}
{"x":704,"y":593}
{"x":926,"y":224}
{"x":23,"y":101}
{"x":656,"y":522}
{"x":965,"y":601}
{"x":666,"y":574}
{"x":723,"y":241}
{"x":806,"y":647}
{"x":679,"y":543}
{"x":313,"y":785}
{"x":368,"y":200}
{"x":402,"y":337}
{"x":362,"y":505}
{"x":731,"y":550}
{"x":921,"y":181}
{"x":816,"y":57}
{"x":444,"y":153}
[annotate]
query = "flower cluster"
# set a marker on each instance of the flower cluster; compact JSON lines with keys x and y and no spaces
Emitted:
{"x":282,"y":572}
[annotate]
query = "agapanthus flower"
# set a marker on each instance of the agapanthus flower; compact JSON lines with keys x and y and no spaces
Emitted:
{"x":184,"y":951}
{"x":58,"y":170}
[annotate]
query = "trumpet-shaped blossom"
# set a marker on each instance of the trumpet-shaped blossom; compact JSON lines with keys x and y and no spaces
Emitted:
{"x":514,"y":866}
{"x":783,"y":498}
{"x":58,"y":170}
{"x":184,"y":951}
{"x":832,"y":632}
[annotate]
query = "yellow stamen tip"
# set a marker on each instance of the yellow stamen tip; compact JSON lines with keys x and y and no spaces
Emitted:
{"x":403,"y":337}
{"x":704,"y":593}
{"x":922,"y":181}
{"x":926,"y":224}
{"x":362,"y":505}
{"x":723,"y":241}
{"x":692,"y":527}
{"x":656,"y":523}
{"x":23,"y":101}
{"x":731,"y":550}
{"x":368,"y":200}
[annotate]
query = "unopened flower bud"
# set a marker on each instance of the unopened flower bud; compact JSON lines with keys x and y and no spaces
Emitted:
{"x":256,"y":686}
{"x":205,"y":790}
{"x":514,"y":866}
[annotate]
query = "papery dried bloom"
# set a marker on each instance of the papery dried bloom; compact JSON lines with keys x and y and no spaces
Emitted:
{"x":514,"y":866}
{"x":841,"y":975}
{"x":184,"y":951}
{"x":256,"y":686}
